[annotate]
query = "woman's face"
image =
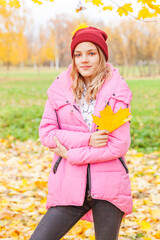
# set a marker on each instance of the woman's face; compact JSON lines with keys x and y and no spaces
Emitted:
{"x":86,"y":59}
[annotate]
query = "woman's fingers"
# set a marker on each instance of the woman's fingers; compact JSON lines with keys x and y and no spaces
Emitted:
{"x":51,"y":149}
{"x":102,"y":137}
{"x":101,"y":145}
{"x":102,"y":132}
{"x":56,"y":141}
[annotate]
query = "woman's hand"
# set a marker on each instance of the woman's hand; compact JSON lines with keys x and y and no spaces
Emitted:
{"x":99,"y":138}
{"x":60,"y":150}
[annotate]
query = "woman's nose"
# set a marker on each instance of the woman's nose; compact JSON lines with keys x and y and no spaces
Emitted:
{"x":84,"y":58}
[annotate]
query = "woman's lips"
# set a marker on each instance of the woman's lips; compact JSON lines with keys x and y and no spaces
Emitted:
{"x":85,"y":67}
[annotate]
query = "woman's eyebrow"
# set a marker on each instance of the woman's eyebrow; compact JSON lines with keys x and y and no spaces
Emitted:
{"x":87,"y":50}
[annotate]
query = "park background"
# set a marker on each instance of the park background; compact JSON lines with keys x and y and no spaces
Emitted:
{"x":34,"y":49}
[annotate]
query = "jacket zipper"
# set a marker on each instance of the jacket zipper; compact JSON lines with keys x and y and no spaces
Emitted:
{"x":56,"y":164}
{"x":89,"y":198}
{"x":76,"y":108}
{"x":124,"y":165}
{"x":59,"y":158}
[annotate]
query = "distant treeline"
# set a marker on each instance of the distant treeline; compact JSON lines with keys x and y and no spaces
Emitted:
{"x":131,"y":43}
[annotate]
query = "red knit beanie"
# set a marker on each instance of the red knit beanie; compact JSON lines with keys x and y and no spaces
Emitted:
{"x":90,"y":34}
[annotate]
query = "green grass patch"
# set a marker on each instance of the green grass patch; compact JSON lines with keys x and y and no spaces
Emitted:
{"x":145,"y":109}
{"x":23,"y":96}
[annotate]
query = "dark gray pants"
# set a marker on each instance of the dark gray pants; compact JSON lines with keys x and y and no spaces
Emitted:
{"x":60,"y":219}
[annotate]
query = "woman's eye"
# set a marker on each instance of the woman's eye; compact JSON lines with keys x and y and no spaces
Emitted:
{"x":77,"y":55}
{"x":92,"y":53}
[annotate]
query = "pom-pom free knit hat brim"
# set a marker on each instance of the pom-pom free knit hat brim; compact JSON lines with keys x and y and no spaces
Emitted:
{"x":90,"y":34}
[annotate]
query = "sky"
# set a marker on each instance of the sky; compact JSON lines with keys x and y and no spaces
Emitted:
{"x":42,"y":13}
{"x":48,"y":10}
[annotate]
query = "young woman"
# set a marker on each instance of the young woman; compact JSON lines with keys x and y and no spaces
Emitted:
{"x":89,"y":177}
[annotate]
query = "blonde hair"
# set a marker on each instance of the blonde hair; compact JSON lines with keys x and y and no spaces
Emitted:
{"x":102,"y":73}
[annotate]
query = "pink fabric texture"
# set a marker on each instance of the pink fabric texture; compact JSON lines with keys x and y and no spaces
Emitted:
{"x":109,"y":180}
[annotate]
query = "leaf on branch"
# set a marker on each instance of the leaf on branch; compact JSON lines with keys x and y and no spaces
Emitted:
{"x":154,"y":7}
{"x":95,"y":2}
{"x":125,"y":9}
{"x":146,"y":1}
{"x":111,"y":121}
{"x":80,"y":8}
{"x":108,"y":8}
{"x":144,"y":13}
{"x":37,"y":1}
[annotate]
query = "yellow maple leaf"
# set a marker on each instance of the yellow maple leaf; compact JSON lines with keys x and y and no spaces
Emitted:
{"x":110,"y":121}
{"x":144,"y":13}
{"x":125,"y":9}
{"x":155,"y":212}
{"x":80,"y":26}
{"x":145,"y":225}
{"x":108,"y":8}
{"x":146,"y":1}
{"x":37,"y":1}
{"x":154,"y":7}
{"x":157,"y":235}
{"x":91,"y":237}
{"x":95,"y":2}
{"x":14,"y":3}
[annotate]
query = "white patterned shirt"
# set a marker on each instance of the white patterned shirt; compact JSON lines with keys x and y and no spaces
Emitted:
{"x":87,"y":109}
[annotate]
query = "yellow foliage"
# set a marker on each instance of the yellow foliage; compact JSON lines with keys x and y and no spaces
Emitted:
{"x":157,"y":235}
{"x":91,"y":237}
{"x":37,"y":1}
{"x":27,"y":204}
{"x":155,"y":7}
{"x":95,"y":2}
{"x":108,"y":8}
{"x":125,"y":9}
{"x":14,"y":3}
{"x":80,"y":26}
{"x":3,"y":3}
{"x":144,"y":13}
{"x":146,"y":1}
{"x":145,"y":225}
{"x":122,"y":10}
{"x":155,"y":213}
{"x":110,"y":121}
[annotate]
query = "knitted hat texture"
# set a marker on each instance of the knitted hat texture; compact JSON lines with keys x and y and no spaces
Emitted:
{"x":90,"y":34}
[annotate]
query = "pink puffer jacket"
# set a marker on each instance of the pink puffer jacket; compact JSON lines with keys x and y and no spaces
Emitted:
{"x":109,"y":176}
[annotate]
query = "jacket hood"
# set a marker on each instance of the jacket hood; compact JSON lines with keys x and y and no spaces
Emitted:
{"x":60,"y":89}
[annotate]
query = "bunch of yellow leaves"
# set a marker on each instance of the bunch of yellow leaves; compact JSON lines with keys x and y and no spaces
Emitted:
{"x":111,"y":121}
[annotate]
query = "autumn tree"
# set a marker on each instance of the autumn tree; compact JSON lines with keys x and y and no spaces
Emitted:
{"x":148,"y":8}
{"x":13,"y":44}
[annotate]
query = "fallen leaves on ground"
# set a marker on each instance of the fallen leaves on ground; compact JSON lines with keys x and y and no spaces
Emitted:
{"x":24,"y":170}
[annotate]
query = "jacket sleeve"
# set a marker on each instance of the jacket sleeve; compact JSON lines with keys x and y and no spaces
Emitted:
{"x":117,"y":146}
{"x":49,"y":128}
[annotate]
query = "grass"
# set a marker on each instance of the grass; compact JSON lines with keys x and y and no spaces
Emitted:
{"x":23,"y":96}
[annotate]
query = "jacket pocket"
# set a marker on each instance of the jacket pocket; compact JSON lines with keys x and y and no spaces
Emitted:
{"x":56,"y":164}
{"x":124,"y":164}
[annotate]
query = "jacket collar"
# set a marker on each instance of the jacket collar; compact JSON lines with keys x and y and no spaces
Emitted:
{"x":60,"y":89}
